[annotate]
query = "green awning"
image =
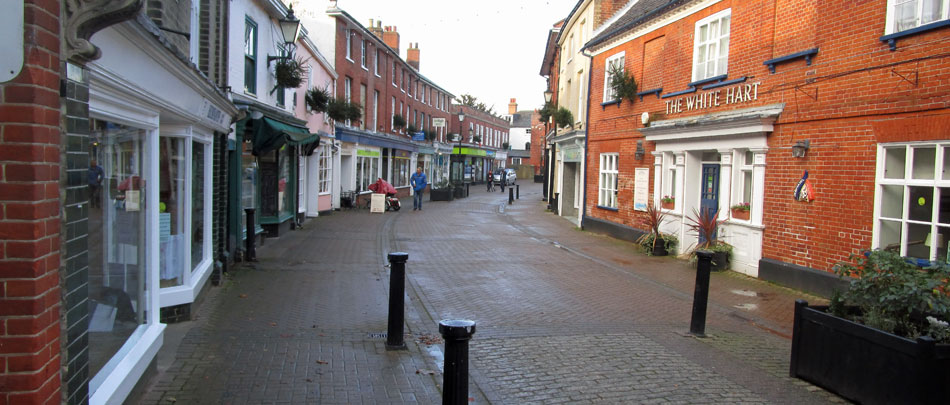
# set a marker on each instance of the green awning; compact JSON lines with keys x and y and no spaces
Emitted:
{"x":267,"y":134}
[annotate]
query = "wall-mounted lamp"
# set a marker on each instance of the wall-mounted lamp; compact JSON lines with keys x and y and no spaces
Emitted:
{"x":548,"y":94}
{"x":289,"y":30}
{"x":638,"y":154}
{"x":800,"y":148}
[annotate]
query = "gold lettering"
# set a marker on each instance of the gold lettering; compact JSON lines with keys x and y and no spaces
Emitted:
{"x":716,"y":102}
{"x":748,"y":92}
{"x":755,"y":91}
{"x":690,"y":101}
{"x":668,"y":106}
{"x":730,"y":95}
{"x":679,"y":105}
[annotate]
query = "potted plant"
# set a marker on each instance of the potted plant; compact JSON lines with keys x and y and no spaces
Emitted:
{"x":654,"y":241}
{"x":441,"y":192}
{"x":885,"y":340}
{"x":668,"y":202}
{"x":563,"y":118}
{"x":706,"y":224}
{"x":289,"y":72}
{"x":741,"y":211}
{"x":354,"y":111}
{"x":546,"y":113}
{"x":624,"y":85}
{"x":317,"y":100}
{"x":399,"y":122}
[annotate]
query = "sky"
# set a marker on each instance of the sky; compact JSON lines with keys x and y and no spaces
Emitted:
{"x":490,"y":49}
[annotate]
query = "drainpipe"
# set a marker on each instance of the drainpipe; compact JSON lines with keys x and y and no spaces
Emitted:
{"x":586,"y":136}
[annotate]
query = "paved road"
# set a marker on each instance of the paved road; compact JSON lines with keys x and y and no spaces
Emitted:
{"x":564,"y":316}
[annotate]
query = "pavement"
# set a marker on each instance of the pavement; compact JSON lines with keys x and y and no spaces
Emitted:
{"x":563,"y":316}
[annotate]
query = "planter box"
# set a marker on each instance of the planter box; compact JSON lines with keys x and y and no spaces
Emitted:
{"x":668,"y":205}
{"x":720,"y":261}
{"x":741,"y":214}
{"x":441,"y":194}
{"x":660,"y":249}
{"x":864,"y":364}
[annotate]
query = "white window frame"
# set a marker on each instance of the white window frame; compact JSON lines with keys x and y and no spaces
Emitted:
{"x":324,"y":176}
{"x":375,"y":111}
{"x":363,"y":54}
{"x":347,"y":92}
{"x":940,"y":183}
{"x":744,"y":164}
{"x":891,"y":18}
{"x":392,"y":116}
{"x":376,"y":64}
{"x":607,"y":180}
{"x":349,"y":45}
{"x":617,"y":58}
{"x":720,"y":66}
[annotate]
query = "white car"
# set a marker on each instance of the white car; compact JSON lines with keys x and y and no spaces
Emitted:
{"x":511,"y":176}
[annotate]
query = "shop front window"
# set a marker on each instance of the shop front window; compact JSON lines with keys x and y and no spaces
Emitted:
{"x":367,"y":168}
{"x":400,"y":171}
{"x":117,"y":239}
{"x":284,"y":193}
{"x":171,"y":211}
{"x":198,"y":165}
{"x":249,"y":180}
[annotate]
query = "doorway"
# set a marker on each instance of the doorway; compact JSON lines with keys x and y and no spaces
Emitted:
{"x":709,"y":193}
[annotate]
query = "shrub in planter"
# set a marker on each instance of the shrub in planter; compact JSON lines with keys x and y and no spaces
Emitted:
{"x":624,"y":85}
{"x":563,"y":118}
{"x":289,"y":73}
{"x":654,"y":241}
{"x":317,"y":99}
{"x":399,"y":122}
{"x":885,"y":340}
{"x":354,"y":111}
{"x":336,"y":109}
{"x":706,"y":225}
{"x":441,"y":192}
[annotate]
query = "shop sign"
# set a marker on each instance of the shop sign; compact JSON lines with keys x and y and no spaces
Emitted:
{"x":367,"y":153}
{"x":401,"y":154}
{"x":641,"y":188}
{"x":490,"y":153}
{"x":419,"y":136}
{"x":438,"y":122}
{"x":468,"y":151}
{"x":214,"y":114}
{"x":572,"y":155}
{"x":11,"y":47}
{"x":737,"y":94}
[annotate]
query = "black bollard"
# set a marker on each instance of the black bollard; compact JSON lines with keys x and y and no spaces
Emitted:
{"x":466,"y":188}
{"x":456,"y":334}
{"x":249,"y":254}
{"x":517,"y":191}
{"x":511,"y":195}
{"x":697,"y":325}
{"x":397,"y":290}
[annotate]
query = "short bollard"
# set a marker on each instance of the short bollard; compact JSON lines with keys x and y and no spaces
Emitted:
{"x":397,"y":289}
{"x":697,"y":325}
{"x":249,"y":254}
{"x":466,"y":188}
{"x":456,"y":334}
{"x":511,"y":195}
{"x":517,"y":191}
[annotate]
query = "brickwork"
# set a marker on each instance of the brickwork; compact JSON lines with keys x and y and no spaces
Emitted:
{"x":850,"y":98}
{"x":30,"y":216}
{"x":173,"y":15}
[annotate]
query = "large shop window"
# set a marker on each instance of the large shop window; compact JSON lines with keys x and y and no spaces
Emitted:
{"x":607,"y":197}
{"x":401,"y":170}
{"x":200,"y":250}
{"x":903,"y":15}
{"x":711,"y":47}
{"x":276,"y":183}
{"x":118,"y":281}
{"x":171,"y":211}
{"x":326,"y":170}
{"x":367,"y":168}
{"x":913,"y":204}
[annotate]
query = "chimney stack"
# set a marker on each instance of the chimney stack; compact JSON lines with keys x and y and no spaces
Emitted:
{"x":512,"y":107}
{"x":412,"y":55}
{"x":377,"y":29}
{"x":391,"y":38}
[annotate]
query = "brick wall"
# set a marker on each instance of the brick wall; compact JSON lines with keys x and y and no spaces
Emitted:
{"x":174,"y":15}
{"x":30,"y":216}
{"x":851,"y":98}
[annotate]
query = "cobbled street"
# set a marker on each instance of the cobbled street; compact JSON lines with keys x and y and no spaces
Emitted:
{"x":563,"y":316}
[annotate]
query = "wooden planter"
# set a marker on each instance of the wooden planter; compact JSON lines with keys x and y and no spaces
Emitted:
{"x":864,"y":364}
{"x":441,"y":194}
{"x":741,"y":214}
{"x":668,"y":205}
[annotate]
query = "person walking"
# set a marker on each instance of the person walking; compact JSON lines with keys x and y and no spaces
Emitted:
{"x":490,"y":182}
{"x":504,"y":179}
{"x":418,"y":182}
{"x":94,"y":179}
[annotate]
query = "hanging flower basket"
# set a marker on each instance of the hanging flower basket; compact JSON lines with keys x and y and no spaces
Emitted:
{"x":741,"y":211}
{"x":289,"y":73}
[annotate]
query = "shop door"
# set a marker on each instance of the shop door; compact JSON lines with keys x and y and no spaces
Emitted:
{"x":709,"y":194}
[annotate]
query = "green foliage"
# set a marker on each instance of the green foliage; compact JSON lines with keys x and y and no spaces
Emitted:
{"x":505,"y":146}
{"x":546,"y":112}
{"x":706,"y":226}
{"x":412,"y":129}
{"x":563,"y":118}
{"x":430,"y":135}
{"x":289,"y":72}
{"x":317,"y":99}
{"x":342,"y":110}
{"x":895,"y":295}
{"x":669,"y":242}
{"x":354,"y":111}
{"x":471,"y":101}
{"x":624,"y":85}
{"x":399,"y":122}
{"x":836,"y":304}
{"x":476,"y":138}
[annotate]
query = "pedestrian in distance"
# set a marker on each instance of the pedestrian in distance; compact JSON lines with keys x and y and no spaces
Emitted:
{"x":94,"y":179}
{"x":418,"y":182}
{"x":504,"y":179}
{"x":490,"y":183}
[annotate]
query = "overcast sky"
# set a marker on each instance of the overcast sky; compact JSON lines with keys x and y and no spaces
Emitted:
{"x":491,"y":49}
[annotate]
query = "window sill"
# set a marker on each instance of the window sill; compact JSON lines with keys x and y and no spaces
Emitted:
{"x":891,"y":39}
{"x":725,"y":83}
{"x":709,"y":80}
{"x":608,"y":208}
{"x":606,"y":103}
{"x":679,"y":93}
{"x":787,"y":58}
{"x":656,"y":91}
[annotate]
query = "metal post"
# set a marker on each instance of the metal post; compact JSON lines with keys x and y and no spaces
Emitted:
{"x":517,"y":191}
{"x":511,"y":195}
{"x":466,"y":188}
{"x":456,"y":334}
{"x":397,"y":289}
{"x":697,"y":325}
{"x":249,"y":254}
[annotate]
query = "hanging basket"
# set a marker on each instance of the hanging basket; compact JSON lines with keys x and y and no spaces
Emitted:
{"x":289,"y":73}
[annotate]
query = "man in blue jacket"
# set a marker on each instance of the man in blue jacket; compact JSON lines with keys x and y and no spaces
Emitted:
{"x":418,"y":183}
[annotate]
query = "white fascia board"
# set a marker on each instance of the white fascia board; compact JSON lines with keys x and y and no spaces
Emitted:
{"x":639,"y":31}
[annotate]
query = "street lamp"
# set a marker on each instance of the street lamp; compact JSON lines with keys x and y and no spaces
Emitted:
{"x":547,"y":95}
{"x":289,"y":30}
{"x":461,"y":166}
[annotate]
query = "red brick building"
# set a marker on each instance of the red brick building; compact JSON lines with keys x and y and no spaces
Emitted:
{"x":737,"y":100}
{"x":482,"y":146}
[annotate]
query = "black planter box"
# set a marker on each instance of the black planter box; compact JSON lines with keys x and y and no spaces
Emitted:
{"x":864,"y":364}
{"x":441,"y":194}
{"x":459,"y":192}
{"x":659,"y":249}
{"x":720,"y":261}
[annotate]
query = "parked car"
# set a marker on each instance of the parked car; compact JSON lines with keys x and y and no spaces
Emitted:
{"x":511,"y":176}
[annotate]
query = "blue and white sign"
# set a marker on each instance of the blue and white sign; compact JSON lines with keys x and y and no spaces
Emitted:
{"x":419,"y":136}
{"x":11,"y":47}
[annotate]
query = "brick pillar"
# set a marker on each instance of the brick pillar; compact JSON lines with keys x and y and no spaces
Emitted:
{"x":30,"y":216}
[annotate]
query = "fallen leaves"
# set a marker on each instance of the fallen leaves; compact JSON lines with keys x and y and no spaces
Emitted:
{"x":429,"y":340}
{"x":322,"y":362}
{"x":242,"y":296}
{"x":425,"y":371}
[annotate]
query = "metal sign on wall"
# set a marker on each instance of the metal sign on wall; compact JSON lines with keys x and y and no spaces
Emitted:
{"x":438,"y":122}
{"x":11,"y":47}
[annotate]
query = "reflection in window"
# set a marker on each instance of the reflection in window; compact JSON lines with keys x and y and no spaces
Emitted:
{"x":171,"y":211}
{"x":197,"y":203}
{"x":117,"y":240}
